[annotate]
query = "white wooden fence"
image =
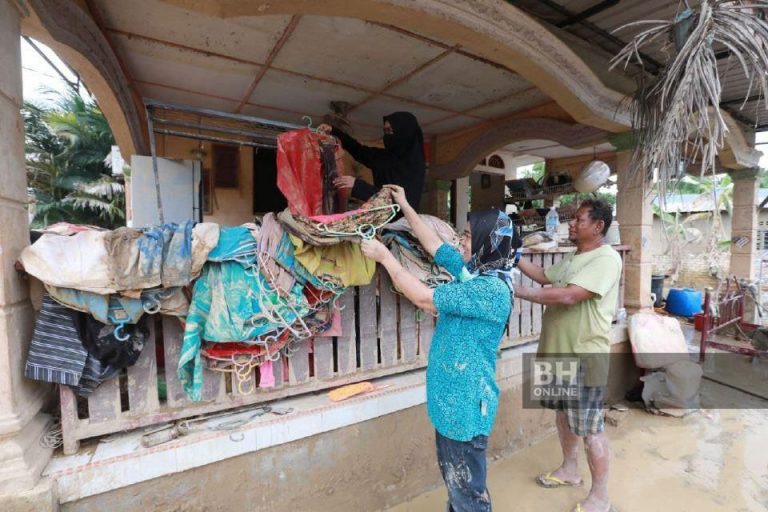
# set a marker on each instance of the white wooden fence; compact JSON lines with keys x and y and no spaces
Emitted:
{"x":380,"y":337}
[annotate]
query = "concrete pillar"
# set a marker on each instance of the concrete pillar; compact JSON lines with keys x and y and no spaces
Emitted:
{"x":435,"y":198}
{"x":744,"y":224}
{"x":462,"y":203}
{"x":635,"y":218}
{"x":22,"y":459}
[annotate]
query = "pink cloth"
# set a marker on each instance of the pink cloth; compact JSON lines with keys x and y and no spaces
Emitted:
{"x":335,"y":328}
{"x":266,"y":375}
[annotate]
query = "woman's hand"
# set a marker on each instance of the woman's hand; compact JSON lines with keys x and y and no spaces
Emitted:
{"x":344,"y":182}
{"x":398,"y":195}
{"x":325,"y":129}
{"x":375,"y":250}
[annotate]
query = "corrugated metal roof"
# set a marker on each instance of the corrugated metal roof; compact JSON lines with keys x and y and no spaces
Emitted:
{"x":735,"y":84}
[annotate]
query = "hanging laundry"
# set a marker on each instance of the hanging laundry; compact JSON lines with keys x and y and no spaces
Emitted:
{"x":56,"y":353}
{"x":73,"y":349}
{"x":205,"y":236}
{"x":231,"y":303}
{"x":349,"y":226}
{"x":235,"y":244}
{"x":66,"y":229}
{"x":342,"y":264}
{"x":117,"y":309}
{"x":276,"y":255}
{"x":410,"y":254}
{"x":125,"y":259}
{"x":405,"y":247}
{"x":108,"y":355}
{"x":300,"y":170}
{"x":79,"y":261}
{"x":334,"y":200}
{"x":151,"y":257}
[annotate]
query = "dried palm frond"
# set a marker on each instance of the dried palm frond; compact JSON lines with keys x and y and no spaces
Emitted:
{"x":676,"y":114}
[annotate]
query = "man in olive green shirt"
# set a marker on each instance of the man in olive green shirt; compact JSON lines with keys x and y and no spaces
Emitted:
{"x":577,"y":321}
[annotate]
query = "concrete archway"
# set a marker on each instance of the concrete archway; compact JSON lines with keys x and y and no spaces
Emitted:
{"x":73,"y":34}
{"x":513,"y":130}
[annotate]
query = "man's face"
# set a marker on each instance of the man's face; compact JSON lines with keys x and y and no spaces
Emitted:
{"x":582,"y":228}
{"x":465,"y":241}
{"x":387,"y":128}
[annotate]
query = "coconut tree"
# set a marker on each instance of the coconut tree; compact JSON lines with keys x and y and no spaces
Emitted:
{"x":67,"y":171}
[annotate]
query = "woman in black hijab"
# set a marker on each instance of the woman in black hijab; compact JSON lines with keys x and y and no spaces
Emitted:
{"x":400,"y":162}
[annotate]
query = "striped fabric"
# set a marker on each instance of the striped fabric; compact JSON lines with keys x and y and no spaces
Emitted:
{"x":56,"y":353}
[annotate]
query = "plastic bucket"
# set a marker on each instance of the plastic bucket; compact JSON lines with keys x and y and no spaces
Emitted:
{"x":684,"y":301}
{"x":698,"y":321}
{"x":657,"y":288}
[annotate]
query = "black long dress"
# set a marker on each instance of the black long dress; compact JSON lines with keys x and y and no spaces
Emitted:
{"x":399,"y":162}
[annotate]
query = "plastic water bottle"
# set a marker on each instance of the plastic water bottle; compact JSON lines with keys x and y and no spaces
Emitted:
{"x":552,"y":221}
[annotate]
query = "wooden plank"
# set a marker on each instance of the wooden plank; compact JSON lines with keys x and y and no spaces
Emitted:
{"x":104,"y":402}
{"x":323,"y":358}
{"x":86,"y":430}
{"x":142,"y":377}
{"x":298,"y":364}
{"x":369,"y":329}
{"x":279,"y":371}
{"x":388,"y":321}
{"x":409,"y":338}
{"x":426,"y":330}
{"x":213,"y":385}
{"x":525,"y":306}
{"x":69,"y":420}
{"x":346,"y":343}
{"x":172,"y":339}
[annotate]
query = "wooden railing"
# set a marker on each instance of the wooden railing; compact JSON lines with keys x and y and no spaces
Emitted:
{"x":383,"y":334}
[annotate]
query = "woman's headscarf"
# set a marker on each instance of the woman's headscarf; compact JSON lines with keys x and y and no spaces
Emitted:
{"x":494,"y":245}
{"x":406,"y":140}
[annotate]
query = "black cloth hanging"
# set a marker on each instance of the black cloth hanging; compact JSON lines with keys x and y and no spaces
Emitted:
{"x":400,"y":162}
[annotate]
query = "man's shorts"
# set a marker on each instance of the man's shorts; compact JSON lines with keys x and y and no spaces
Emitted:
{"x":586,"y":415}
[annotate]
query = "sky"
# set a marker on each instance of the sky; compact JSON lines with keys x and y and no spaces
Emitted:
{"x":38,"y":76}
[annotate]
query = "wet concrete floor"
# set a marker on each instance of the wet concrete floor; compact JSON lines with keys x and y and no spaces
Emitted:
{"x":711,"y":461}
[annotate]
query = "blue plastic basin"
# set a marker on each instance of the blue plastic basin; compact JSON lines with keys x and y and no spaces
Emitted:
{"x":684,"y":301}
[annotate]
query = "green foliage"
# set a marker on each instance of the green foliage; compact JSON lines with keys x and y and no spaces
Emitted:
{"x":67,"y":149}
{"x":608,"y":197}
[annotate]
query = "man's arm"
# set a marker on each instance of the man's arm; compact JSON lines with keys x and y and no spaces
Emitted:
{"x":568,"y":296}
{"x":532,"y":271}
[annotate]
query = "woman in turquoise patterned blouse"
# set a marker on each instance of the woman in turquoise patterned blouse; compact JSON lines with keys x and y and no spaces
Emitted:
{"x":472,"y":312}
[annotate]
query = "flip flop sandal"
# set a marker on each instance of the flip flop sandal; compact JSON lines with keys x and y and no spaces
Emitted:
{"x":579,"y":509}
{"x":551,"y":482}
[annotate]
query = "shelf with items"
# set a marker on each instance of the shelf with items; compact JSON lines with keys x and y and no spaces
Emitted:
{"x":535,"y":218}
{"x":546,"y":192}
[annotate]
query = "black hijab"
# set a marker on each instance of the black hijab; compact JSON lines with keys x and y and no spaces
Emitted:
{"x":406,"y":143}
{"x":400,"y":162}
{"x":489,"y":248}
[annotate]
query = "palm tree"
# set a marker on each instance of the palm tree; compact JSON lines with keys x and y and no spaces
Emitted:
{"x":67,"y":170}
